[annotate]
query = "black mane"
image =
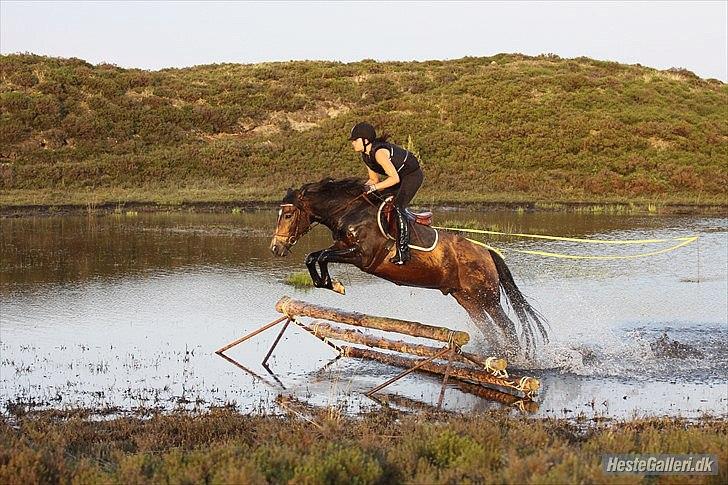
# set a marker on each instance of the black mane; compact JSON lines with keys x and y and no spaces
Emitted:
{"x":330,"y":190}
{"x":329,"y":187}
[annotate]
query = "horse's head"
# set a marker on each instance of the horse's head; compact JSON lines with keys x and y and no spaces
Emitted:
{"x":294,"y":220}
{"x":320,"y":201}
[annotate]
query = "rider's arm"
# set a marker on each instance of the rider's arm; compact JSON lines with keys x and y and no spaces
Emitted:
{"x":382,"y":158}
{"x":373,"y":177}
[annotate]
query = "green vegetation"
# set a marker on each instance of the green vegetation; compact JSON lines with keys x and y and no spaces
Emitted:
{"x":222,"y":446}
{"x":299,"y":280}
{"x":506,"y":128}
{"x":454,"y":223}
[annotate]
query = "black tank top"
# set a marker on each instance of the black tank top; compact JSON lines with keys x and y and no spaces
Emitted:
{"x":404,"y":161}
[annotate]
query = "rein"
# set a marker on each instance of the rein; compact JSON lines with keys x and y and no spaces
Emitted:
{"x":297,"y":235}
{"x":363,"y":194}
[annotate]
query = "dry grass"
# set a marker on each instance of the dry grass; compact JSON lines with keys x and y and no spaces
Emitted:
{"x":222,"y":446}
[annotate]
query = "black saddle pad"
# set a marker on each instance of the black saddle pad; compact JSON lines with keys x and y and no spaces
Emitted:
{"x":422,"y":238}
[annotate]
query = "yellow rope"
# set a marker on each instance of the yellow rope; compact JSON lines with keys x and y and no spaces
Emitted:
{"x":572,"y":239}
{"x":496,"y":372}
{"x":500,"y":253}
{"x":685,"y":242}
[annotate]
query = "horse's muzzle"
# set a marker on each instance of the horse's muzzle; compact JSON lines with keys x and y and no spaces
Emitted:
{"x":278,"y":248}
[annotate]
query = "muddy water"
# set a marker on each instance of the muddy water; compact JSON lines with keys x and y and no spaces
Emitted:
{"x":126,"y":311}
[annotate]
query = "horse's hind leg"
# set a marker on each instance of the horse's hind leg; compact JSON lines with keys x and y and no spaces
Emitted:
{"x":488,"y":315}
{"x":480,"y":294}
{"x":511,"y":345}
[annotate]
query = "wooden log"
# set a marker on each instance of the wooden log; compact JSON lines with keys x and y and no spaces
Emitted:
{"x":527,"y":385}
{"x":522,"y":403}
{"x":291,"y":308}
{"x":322,"y":329}
{"x":406,"y":402}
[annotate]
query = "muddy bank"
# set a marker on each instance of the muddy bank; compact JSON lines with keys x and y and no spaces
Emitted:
{"x":7,"y":211}
{"x":322,"y":446}
{"x":117,"y":208}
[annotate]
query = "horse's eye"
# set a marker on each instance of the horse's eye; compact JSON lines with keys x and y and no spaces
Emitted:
{"x":288,"y":216}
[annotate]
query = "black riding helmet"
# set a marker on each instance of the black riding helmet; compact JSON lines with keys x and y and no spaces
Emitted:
{"x":363,"y":130}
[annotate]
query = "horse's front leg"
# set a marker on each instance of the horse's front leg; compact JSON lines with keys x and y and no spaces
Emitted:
{"x":311,"y":265}
{"x":351,"y":255}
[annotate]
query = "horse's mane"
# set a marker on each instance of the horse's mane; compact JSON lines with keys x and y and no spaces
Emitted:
{"x":331,"y":188}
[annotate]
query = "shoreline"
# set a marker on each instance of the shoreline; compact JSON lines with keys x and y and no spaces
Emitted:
{"x":46,"y":210}
{"x":285,"y":406}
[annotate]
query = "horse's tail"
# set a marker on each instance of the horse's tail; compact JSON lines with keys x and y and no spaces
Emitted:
{"x":530,"y":319}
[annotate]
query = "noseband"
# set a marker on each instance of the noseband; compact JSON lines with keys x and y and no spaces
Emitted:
{"x":296,"y":221}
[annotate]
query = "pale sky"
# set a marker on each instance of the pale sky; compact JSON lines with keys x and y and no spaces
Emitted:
{"x":153,"y":35}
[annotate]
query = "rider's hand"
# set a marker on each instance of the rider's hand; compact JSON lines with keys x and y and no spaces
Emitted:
{"x":369,"y":188}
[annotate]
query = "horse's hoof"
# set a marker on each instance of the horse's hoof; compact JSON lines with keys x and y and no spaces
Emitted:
{"x":338,"y":287}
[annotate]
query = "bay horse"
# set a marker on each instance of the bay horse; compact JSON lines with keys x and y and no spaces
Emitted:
{"x":474,"y":275}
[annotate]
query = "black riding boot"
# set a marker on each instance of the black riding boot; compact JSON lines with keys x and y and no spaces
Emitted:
{"x":403,"y":250}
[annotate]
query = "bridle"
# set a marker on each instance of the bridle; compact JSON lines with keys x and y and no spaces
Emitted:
{"x":297,"y":233}
{"x":291,"y":239}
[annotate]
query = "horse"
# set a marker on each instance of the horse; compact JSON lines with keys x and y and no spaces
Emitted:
{"x":474,"y":275}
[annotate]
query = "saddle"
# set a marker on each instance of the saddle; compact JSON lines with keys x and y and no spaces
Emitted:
{"x":423,"y":237}
{"x":422,"y":218}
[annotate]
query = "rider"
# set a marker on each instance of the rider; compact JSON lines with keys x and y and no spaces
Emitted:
{"x":402,"y":170}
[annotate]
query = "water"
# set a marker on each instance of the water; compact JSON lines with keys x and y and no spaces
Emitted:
{"x":126,"y":312}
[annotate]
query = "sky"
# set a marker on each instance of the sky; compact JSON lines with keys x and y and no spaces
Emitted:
{"x":154,"y":35}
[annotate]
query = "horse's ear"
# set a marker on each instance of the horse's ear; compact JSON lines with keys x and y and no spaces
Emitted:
{"x":290,"y":195}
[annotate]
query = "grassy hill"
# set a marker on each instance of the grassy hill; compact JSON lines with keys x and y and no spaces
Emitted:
{"x":503,"y":128}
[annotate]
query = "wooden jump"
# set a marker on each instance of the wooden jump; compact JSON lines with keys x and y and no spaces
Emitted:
{"x":323,"y":329}
{"x":297,"y":308}
{"x":448,"y":360}
{"x":527,"y":385}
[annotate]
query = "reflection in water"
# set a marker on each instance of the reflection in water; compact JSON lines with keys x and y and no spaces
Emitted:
{"x":78,"y":248}
{"x":127,"y":311}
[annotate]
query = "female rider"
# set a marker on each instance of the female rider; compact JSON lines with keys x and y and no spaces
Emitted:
{"x":402,"y":170}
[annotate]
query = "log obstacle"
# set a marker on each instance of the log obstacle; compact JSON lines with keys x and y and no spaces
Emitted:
{"x":472,"y":372}
{"x":527,"y":385}
{"x":293,"y":308}
{"x":323,"y":329}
